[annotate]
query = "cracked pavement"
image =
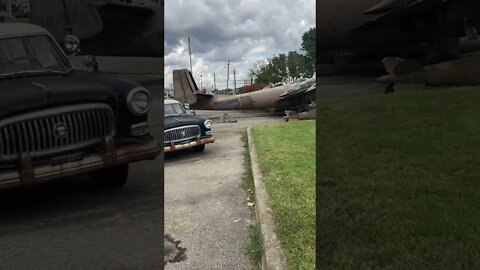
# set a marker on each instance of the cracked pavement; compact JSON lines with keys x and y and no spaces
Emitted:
{"x":205,"y":205}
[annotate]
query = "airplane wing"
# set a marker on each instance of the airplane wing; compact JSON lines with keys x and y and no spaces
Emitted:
{"x":386,"y":5}
{"x":391,"y":10}
{"x":300,"y":89}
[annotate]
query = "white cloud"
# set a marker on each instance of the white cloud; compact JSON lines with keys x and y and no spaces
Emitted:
{"x":242,"y":31}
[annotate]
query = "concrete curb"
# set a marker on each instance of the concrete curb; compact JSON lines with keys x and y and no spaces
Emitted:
{"x":273,"y":256}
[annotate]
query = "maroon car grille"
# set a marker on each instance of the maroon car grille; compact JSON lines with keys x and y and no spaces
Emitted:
{"x":54,"y":131}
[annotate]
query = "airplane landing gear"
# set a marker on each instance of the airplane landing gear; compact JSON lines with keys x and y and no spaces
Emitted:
{"x":389,"y":89}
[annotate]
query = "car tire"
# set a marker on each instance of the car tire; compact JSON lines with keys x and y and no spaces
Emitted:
{"x":199,"y":148}
{"x":111,"y":178}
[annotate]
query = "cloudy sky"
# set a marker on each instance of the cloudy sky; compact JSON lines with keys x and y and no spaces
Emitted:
{"x":242,"y":31}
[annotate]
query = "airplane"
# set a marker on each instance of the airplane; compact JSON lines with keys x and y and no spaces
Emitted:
{"x":106,"y":28}
{"x":460,"y":72}
{"x":297,"y":96}
{"x":429,"y":30}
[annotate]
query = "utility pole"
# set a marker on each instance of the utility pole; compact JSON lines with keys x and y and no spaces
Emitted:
{"x":9,"y":8}
{"x":228,"y":72}
{"x":234,"y":82}
{"x":214,"y":84}
{"x":201,"y":85}
{"x":190,"y":53}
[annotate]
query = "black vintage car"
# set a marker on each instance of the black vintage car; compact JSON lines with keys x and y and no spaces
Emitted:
{"x":55,"y":121}
{"x":183,"y":131}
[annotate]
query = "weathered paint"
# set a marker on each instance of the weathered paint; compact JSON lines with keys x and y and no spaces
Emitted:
{"x":186,"y":91}
{"x":459,"y":72}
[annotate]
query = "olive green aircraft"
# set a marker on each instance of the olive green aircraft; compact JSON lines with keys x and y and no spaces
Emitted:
{"x":430,"y":31}
{"x":297,"y":96}
{"x":107,"y":28}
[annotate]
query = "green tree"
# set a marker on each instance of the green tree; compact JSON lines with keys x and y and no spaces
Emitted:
{"x":294,"y":62}
{"x":279,"y":68}
{"x":259,"y":72}
{"x":287,"y":67}
{"x":309,"y":42}
{"x":308,"y":45}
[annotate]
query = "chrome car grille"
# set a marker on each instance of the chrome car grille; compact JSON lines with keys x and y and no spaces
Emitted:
{"x":54,"y":131}
{"x":181,"y":134}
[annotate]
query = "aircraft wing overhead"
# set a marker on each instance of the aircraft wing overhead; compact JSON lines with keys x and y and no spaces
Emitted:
{"x":300,"y":89}
{"x":393,"y":10}
{"x":387,"y":5}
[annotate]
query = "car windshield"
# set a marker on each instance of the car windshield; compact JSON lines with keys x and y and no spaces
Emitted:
{"x":174,"y":109}
{"x":31,"y":55}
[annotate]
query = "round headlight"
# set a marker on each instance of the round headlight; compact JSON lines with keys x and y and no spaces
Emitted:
{"x":208,"y":124}
{"x":139,"y":101}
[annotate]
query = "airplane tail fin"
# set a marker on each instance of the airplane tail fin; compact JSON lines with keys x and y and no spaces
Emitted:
{"x":184,"y":86}
{"x":399,"y":66}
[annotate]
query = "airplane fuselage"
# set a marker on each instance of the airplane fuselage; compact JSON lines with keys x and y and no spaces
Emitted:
{"x":263,"y":99}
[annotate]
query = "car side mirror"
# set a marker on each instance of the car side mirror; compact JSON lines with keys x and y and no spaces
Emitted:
{"x":72,"y":45}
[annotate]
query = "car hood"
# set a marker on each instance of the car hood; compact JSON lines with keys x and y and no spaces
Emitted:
{"x":32,"y":92}
{"x":183,"y":120}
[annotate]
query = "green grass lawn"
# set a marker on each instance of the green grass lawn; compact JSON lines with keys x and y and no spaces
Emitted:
{"x":399,"y":182}
{"x":286,"y":154}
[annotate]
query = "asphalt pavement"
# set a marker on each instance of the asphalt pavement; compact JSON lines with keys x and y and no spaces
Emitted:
{"x":72,"y":224}
{"x":205,"y":205}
